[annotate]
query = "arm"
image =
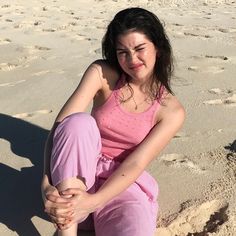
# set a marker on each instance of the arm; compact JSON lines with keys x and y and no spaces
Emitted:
{"x":171,"y":120}
{"x":171,"y":117}
{"x":90,"y":84}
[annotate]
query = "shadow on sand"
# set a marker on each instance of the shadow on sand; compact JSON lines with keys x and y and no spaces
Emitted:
{"x":20,"y":197}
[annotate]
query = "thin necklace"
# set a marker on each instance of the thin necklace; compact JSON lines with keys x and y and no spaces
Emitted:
{"x":147,"y":99}
{"x":136,"y":105}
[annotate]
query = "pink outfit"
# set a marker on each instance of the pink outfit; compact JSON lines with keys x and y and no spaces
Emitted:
{"x":93,"y":149}
{"x":122,"y":131}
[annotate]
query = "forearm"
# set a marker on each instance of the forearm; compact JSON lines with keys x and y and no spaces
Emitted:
{"x":139,"y":159}
{"x":120,"y":180}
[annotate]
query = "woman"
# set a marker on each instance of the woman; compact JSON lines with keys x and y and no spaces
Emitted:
{"x":96,"y":163}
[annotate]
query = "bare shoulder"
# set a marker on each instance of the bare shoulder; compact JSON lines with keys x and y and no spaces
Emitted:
{"x":171,"y":108}
{"x":108,"y":77}
{"x":108,"y":74}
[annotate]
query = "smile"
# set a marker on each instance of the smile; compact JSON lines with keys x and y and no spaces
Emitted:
{"x":135,"y":67}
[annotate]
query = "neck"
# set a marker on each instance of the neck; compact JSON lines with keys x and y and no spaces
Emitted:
{"x":147,"y":87}
{"x":141,"y":82}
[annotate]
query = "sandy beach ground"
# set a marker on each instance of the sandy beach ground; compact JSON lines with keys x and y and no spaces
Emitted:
{"x":45,"y":46}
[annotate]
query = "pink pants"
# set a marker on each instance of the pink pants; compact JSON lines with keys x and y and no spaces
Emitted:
{"x":77,"y":152}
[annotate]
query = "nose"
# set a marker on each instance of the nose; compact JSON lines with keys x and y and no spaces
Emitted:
{"x":132,"y":57}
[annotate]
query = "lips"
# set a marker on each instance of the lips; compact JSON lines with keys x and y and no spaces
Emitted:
{"x":135,"y":66}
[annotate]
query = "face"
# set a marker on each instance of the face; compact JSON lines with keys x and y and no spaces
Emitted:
{"x":136,"y":55}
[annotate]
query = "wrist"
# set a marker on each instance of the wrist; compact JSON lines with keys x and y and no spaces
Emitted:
{"x":98,"y":200}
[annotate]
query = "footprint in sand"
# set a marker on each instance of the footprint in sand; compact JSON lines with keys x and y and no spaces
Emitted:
{"x":224,"y":58}
{"x":32,"y":114}
{"x":206,"y":36}
{"x":222,"y":30}
{"x":177,"y":24}
{"x":44,"y":72}
{"x":12,"y":83}
{"x":230,"y":101}
{"x":215,"y":91}
{"x":79,"y":37}
{"x":68,"y":26}
{"x":25,"y":25}
{"x":197,"y":220}
{"x":211,"y":58}
{"x":220,"y":91}
{"x":32,"y":49}
{"x":41,"y":73}
{"x":38,"y":48}
{"x":181,"y":135}
{"x":207,"y":69}
{"x":6,"y":6}
{"x":4,"y":41}
{"x":178,"y":160}
{"x":49,"y":30}
{"x":217,"y":63}
{"x":8,"y":66}
{"x":25,"y":59}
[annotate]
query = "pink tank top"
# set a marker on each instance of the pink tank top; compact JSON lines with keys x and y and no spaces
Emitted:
{"x":121,"y":131}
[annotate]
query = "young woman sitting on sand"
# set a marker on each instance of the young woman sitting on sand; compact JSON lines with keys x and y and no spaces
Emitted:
{"x":96,"y":163}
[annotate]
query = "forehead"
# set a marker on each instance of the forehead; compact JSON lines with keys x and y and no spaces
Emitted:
{"x":131,"y":39}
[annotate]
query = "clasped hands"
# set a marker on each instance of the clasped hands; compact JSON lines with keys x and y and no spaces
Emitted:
{"x":68,"y":207}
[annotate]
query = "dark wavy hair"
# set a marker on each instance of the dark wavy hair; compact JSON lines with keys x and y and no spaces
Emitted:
{"x":143,"y":21}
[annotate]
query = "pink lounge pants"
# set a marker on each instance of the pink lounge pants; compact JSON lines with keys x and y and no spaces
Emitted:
{"x":77,"y":152}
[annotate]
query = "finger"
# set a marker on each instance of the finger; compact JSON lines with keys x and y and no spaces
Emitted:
{"x":71,"y":191}
{"x":57,"y":199}
{"x":59,"y":212}
{"x":52,"y":190}
{"x":73,"y":221}
{"x":61,"y":220}
{"x":52,"y":206}
{"x":67,"y":226}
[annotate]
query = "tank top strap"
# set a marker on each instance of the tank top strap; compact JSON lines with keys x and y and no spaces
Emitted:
{"x":160,"y":93}
{"x":157,"y":101}
{"x":154,"y":108}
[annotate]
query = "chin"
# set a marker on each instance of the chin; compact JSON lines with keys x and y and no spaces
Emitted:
{"x":139,"y":76}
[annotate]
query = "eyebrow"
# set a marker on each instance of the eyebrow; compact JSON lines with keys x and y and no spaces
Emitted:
{"x":122,"y":49}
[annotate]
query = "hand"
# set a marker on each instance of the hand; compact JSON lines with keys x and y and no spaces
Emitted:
{"x":57,"y":207}
{"x":82,"y":203}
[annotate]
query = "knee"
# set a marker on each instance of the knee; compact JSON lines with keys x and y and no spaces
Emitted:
{"x":77,"y":122}
{"x":79,"y":119}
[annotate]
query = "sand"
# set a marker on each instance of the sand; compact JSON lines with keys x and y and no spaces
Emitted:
{"x":45,"y":46}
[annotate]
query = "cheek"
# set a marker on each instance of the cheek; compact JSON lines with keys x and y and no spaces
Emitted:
{"x":152,"y":57}
{"x":121,"y":61}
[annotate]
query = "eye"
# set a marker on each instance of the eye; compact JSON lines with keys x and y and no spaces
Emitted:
{"x":140,"y":49}
{"x":121,"y":52}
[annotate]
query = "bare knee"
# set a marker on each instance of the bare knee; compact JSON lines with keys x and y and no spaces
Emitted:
{"x":73,"y":182}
